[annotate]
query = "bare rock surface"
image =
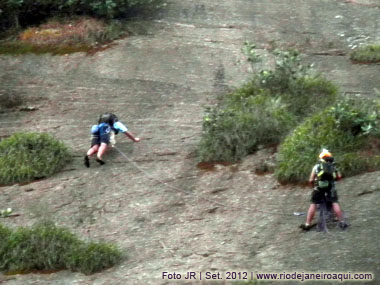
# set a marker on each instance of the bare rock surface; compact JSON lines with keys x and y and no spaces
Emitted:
{"x":165,"y":213}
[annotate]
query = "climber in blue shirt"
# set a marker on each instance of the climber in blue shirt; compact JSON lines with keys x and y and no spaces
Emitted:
{"x":103,"y":134}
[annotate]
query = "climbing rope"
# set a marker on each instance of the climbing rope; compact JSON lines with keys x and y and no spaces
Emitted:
{"x":187,"y":193}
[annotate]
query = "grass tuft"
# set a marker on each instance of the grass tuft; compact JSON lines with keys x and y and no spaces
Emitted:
{"x":45,"y":246}
{"x":93,"y":257}
{"x":367,"y":54}
{"x":28,"y":156}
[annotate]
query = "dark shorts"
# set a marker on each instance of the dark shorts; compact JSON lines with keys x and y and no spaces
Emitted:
{"x":100,"y":139}
{"x":318,"y":194}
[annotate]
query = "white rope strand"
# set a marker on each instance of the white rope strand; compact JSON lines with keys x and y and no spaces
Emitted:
{"x":187,"y":193}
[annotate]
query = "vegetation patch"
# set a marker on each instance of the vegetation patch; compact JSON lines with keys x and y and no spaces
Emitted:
{"x":19,"y":48}
{"x":349,"y":129}
{"x":80,"y":34}
{"x":235,"y":130}
{"x":367,"y":54}
{"x":45,"y":246}
{"x":264,"y":110}
{"x":5,"y":213}
{"x":28,"y":156}
{"x":23,"y":13}
{"x":298,"y":108}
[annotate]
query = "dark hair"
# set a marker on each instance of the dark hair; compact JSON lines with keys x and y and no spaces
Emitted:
{"x":108,"y":118}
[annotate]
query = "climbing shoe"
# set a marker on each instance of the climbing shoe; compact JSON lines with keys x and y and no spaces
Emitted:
{"x":86,"y":161}
{"x":101,"y":162}
{"x":306,"y":227}
{"x":343,"y":225}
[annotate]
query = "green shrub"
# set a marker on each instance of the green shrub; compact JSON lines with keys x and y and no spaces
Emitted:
{"x":248,"y":50}
{"x":42,"y":247}
{"x":232,"y":132}
{"x":309,"y":94}
{"x":368,"y":54}
{"x":264,"y":109}
{"x":248,"y":90}
{"x":45,"y":246}
{"x":302,"y":96}
{"x":93,"y":257}
{"x":4,"y":235}
{"x":346,"y":129}
{"x":288,"y":69}
{"x":301,"y":89}
{"x":28,"y":156}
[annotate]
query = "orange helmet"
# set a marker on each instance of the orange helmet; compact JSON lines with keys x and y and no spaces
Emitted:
{"x":325,"y":153}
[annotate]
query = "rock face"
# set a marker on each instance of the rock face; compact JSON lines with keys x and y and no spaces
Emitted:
{"x":152,"y":200}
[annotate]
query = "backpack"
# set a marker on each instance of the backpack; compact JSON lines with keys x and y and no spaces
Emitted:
{"x":100,"y":130}
{"x":326,"y":173}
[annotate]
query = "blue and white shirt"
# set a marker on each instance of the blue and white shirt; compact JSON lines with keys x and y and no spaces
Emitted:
{"x":101,"y":129}
{"x":119,"y":127}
